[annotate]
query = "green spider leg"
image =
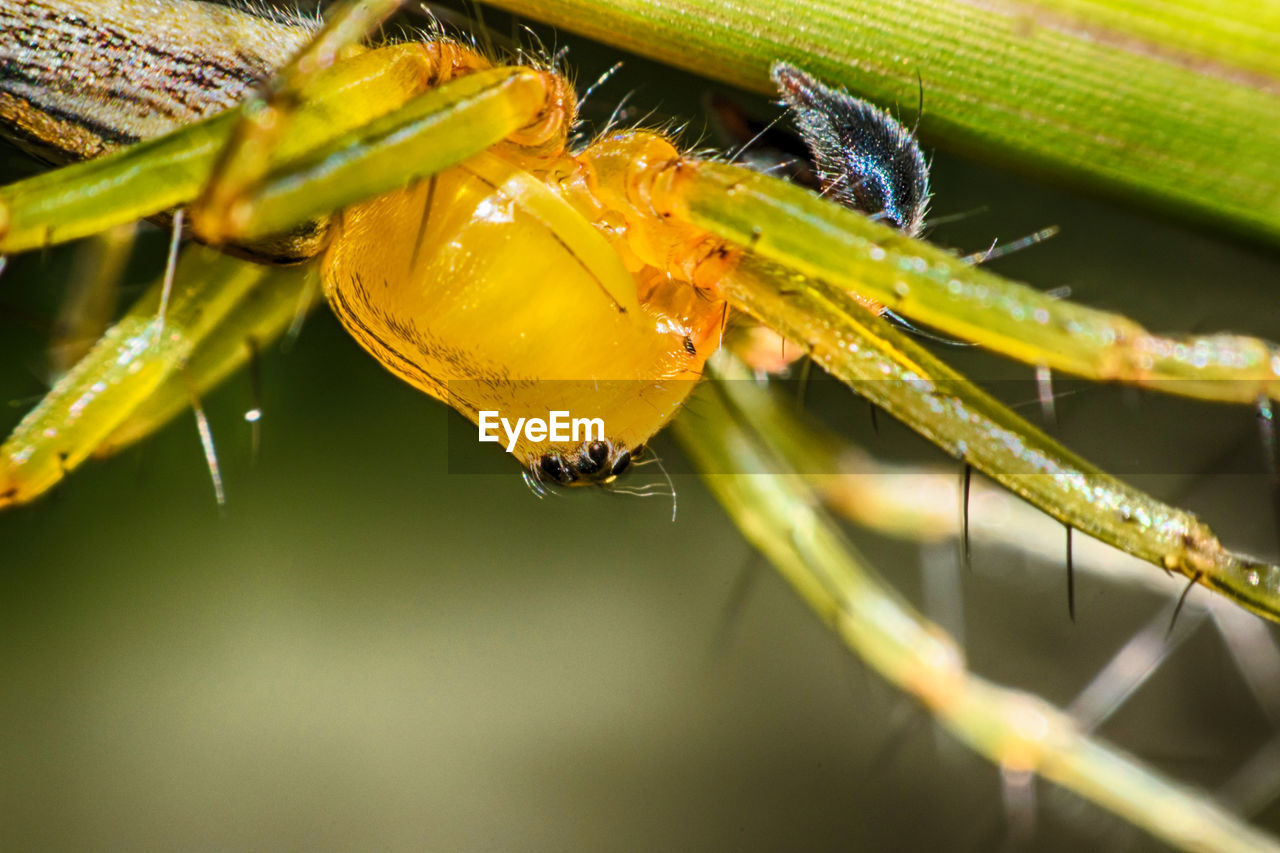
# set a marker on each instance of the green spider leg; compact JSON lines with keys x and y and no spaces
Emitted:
{"x":265,"y":121}
{"x":334,"y":156}
{"x":146,"y":369}
{"x":892,"y":371}
{"x":796,"y":228}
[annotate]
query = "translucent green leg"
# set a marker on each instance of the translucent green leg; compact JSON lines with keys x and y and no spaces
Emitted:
{"x":438,"y":129}
{"x":755,"y":479}
{"x":265,"y":313}
{"x":265,"y":121}
{"x":167,"y":172}
{"x":92,"y":296}
{"x":134,"y":362}
{"x":796,"y":228}
{"x":432,"y":132}
{"x":920,"y":503}
{"x":890,"y":370}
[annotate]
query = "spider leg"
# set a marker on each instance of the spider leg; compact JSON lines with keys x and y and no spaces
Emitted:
{"x":91,"y":301}
{"x":135,"y":379}
{"x":264,"y":313}
{"x":793,"y":227}
{"x":340,"y":132}
{"x":892,"y":371}
{"x":440,"y":128}
{"x":265,"y":120}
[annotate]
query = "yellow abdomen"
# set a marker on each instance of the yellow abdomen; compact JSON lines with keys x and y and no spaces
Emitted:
{"x":488,"y":289}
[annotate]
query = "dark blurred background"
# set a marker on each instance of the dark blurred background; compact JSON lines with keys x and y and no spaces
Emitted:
{"x":364,"y":650}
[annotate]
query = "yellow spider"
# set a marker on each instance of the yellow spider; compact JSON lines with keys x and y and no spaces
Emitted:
{"x":705,"y":322}
{"x":664,"y":242}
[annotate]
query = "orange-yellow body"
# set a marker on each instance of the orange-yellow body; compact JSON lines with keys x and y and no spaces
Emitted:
{"x":524,"y":284}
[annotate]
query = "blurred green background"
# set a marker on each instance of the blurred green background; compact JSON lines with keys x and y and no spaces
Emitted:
{"x":364,"y":650}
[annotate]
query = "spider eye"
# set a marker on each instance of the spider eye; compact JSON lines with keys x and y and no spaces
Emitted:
{"x":620,"y":463}
{"x":592,"y":458}
{"x":598,"y":451}
{"x":554,"y":468}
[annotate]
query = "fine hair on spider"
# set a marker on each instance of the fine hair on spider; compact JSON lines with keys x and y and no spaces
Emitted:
{"x":848,"y":143}
{"x":865,"y":159}
{"x":647,"y":456}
